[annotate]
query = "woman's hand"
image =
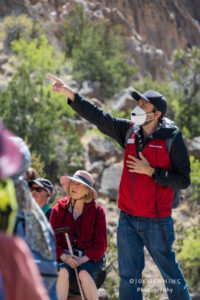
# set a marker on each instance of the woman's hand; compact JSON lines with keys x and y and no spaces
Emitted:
{"x":82,"y":260}
{"x":71,"y":260}
{"x":60,"y":87}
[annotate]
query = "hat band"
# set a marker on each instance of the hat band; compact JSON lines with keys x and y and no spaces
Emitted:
{"x":83,"y":179}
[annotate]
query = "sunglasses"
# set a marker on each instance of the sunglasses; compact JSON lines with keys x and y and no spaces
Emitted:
{"x":37,"y":189}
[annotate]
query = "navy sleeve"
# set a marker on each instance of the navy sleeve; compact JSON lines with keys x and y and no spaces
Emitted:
{"x":115,"y":128}
{"x":179,"y":175}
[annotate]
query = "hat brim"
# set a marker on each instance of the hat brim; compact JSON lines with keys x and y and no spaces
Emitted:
{"x":31,"y":182}
{"x":137,"y":96}
{"x":65,"y":180}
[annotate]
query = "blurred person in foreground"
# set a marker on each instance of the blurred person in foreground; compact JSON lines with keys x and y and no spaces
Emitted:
{"x":32,"y":225}
{"x":19,"y":275}
{"x":87,"y":233}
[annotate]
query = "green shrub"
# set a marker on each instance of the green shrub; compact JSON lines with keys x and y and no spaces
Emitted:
{"x":37,"y":164}
{"x":37,"y":57}
{"x":195,"y":179}
{"x":119,"y":113}
{"x":189,"y":256}
{"x":18,"y":27}
{"x":73,"y":29}
{"x":180,"y":237}
{"x":111,"y":283}
{"x":188,"y":91}
{"x":32,"y":111}
{"x":97,"y":52}
{"x":73,"y":154}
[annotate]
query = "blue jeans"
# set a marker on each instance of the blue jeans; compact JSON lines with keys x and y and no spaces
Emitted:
{"x":133,"y":233}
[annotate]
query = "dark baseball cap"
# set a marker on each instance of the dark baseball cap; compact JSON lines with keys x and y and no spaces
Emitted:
{"x":155,"y":98}
{"x":44,"y":183}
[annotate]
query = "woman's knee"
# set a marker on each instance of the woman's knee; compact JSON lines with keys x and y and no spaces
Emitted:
{"x":84,"y":275}
{"x":63,"y":273}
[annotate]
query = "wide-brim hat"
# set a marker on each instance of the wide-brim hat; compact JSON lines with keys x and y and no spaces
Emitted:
{"x":82,"y":177}
{"x":153,"y":97}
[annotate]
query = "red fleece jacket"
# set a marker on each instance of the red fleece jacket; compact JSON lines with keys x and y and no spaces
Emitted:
{"x":91,"y":235}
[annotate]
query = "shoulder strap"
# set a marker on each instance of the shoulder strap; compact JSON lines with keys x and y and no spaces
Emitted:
{"x":66,"y":211}
{"x":129,"y":133}
{"x":95,"y":221}
{"x":170,"y":140}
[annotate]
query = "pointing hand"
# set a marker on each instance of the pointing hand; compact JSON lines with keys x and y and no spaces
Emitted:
{"x":60,"y":87}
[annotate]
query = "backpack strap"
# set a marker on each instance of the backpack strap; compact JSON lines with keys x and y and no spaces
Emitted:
{"x":169,"y":141}
{"x":129,"y":133}
{"x":177,"y":198}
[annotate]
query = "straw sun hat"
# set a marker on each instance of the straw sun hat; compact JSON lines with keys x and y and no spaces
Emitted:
{"x":82,"y":177}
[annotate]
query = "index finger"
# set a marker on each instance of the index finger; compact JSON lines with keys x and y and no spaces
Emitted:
{"x":132,"y":157}
{"x":54,"y":78}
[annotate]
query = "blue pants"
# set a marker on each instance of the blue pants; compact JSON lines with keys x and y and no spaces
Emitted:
{"x":133,"y":233}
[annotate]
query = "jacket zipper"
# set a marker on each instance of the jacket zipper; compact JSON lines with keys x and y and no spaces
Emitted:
{"x":132,"y":193}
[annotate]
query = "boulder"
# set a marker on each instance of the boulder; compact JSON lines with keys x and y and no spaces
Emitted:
{"x":102,"y":294}
{"x":3,"y":59}
{"x":89,"y":88}
{"x":194,"y":147}
{"x":97,"y":167}
{"x":80,"y":125}
{"x":123,"y":100}
{"x":74,"y":85}
{"x":103,"y":148}
{"x":110,"y":181}
{"x":96,"y":102}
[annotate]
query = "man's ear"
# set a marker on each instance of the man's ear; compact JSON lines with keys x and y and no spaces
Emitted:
{"x":49,"y":194}
{"x":158,"y":114}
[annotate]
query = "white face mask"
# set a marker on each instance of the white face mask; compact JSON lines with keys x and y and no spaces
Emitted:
{"x":138,"y":116}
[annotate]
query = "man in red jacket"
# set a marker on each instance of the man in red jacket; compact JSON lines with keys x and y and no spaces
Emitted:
{"x":151,"y":172}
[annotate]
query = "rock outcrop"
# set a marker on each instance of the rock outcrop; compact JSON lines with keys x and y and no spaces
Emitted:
{"x":194,"y":147}
{"x":151,"y":29}
{"x":123,"y":101}
{"x":110,"y":181}
{"x":102,"y":148}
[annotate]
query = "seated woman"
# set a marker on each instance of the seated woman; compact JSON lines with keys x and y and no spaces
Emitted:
{"x":87,"y":233}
